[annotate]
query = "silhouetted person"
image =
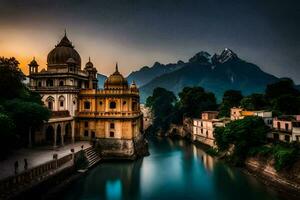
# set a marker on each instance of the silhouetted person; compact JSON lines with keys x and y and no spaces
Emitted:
{"x":81,"y":147}
{"x":16,"y":167}
{"x":25,"y":164}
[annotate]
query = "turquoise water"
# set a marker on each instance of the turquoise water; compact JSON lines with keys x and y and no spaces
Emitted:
{"x":175,"y":169}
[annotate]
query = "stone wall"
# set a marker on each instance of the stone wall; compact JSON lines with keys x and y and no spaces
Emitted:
{"x":121,"y":148}
{"x":287,"y":181}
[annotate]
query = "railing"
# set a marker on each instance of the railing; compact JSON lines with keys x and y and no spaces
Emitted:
{"x":108,"y":114}
{"x":283,"y":130}
{"x":56,"y":87}
{"x":106,"y":92}
{"x":59,"y":114}
{"x":296,"y":130}
{"x":37,"y":173}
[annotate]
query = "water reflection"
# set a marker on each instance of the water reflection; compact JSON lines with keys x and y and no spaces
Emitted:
{"x":174,"y":170}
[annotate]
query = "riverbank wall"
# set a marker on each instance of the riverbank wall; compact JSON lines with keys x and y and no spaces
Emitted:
{"x":286,"y":181}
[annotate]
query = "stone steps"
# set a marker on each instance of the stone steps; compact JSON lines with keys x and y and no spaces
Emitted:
{"x":93,"y":157}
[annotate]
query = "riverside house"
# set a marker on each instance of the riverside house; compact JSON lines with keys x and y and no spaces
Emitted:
{"x":240,"y":113}
{"x":203,"y":129}
{"x":286,"y":128}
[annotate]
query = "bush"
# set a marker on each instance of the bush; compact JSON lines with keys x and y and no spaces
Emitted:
{"x":212,"y":151}
{"x":284,"y":156}
{"x":260,"y":150}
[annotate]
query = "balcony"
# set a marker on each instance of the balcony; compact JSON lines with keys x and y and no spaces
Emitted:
{"x":296,"y":130}
{"x":54,"y":88}
{"x":107,"y":92}
{"x":60,"y":114}
{"x":108,"y":114}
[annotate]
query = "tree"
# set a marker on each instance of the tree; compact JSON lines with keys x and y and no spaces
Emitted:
{"x":254,"y":102}
{"x":284,"y":86}
{"x":231,"y":98}
{"x":26,"y":115}
{"x":286,"y":104}
{"x":283,"y":97}
{"x":194,"y":100}
{"x":244,"y":134}
{"x":22,"y":107}
{"x":11,"y":78}
{"x":162,"y":104}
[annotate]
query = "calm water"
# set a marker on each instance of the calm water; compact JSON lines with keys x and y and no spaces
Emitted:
{"x":174,"y":170}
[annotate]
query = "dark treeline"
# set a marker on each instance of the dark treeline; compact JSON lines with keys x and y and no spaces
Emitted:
{"x":21,"y":110}
{"x":281,"y":97}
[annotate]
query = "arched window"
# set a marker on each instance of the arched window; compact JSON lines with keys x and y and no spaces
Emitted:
{"x":87,"y":105}
{"x":112,"y":105}
{"x":40,"y":84}
{"x":61,"y":83}
{"x":278,"y":125}
{"x":50,"y":102}
{"x":61,"y":100}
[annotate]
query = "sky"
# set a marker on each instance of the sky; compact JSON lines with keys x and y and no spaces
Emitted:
{"x":137,"y":33}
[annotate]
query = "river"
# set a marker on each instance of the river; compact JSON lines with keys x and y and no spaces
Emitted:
{"x":175,"y":169}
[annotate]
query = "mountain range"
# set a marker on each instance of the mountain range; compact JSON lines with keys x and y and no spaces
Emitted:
{"x":216,"y":74}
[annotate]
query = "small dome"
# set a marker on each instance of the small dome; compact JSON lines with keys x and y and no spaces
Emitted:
{"x":89,"y":64}
{"x":62,"y":52}
{"x":116,"y":81}
{"x":133,"y":86}
{"x":33,"y":63}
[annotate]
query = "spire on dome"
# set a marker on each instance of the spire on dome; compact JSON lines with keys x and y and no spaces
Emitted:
{"x":117,"y":68}
{"x":65,"y":41}
{"x":89,"y":59}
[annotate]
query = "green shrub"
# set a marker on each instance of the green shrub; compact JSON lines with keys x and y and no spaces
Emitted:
{"x":212,"y":151}
{"x":260,"y":150}
{"x":284,"y":156}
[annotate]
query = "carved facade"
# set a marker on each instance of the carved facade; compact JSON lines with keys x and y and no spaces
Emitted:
{"x":110,"y":117}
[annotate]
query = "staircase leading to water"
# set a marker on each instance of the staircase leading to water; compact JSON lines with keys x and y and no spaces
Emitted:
{"x":93,"y":156}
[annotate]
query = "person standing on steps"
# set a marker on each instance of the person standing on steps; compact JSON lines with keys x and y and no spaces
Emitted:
{"x":16,"y":167}
{"x":25,"y":164}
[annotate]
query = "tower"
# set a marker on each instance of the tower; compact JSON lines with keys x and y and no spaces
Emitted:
{"x":33,"y":66}
{"x":92,"y":72}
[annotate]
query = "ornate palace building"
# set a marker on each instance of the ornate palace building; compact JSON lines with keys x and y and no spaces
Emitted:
{"x":111,"y":117}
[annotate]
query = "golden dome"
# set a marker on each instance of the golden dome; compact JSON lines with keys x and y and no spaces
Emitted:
{"x":116,"y":81}
{"x":62,"y":53}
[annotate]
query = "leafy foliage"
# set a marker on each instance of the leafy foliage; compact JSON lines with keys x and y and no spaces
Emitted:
{"x":231,"y":98}
{"x":162,"y":104}
{"x":194,"y":100}
{"x":243,"y":134}
{"x":254,"y":102}
{"x":20,"y":108}
{"x":284,"y":98}
{"x":11,"y":78}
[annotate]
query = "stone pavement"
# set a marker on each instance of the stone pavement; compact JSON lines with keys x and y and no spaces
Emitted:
{"x":35,"y":156}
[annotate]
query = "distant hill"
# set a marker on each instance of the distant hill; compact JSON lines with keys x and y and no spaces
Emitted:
{"x":216,"y":73}
{"x":146,"y":74}
{"x":101,"y":78}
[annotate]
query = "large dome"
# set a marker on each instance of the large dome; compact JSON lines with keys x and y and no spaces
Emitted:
{"x":62,"y":52}
{"x":116,"y":81}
